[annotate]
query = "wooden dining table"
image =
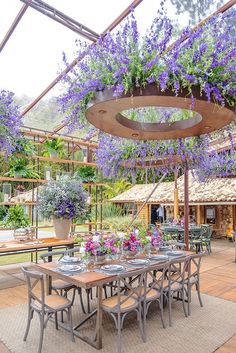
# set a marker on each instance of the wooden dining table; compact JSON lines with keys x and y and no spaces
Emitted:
{"x":90,"y":279}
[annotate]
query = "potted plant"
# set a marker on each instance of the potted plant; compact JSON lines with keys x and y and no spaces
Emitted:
{"x":16,"y":218}
{"x":53,"y":148}
{"x":19,"y":168}
{"x":86,"y":173}
{"x":62,"y":200}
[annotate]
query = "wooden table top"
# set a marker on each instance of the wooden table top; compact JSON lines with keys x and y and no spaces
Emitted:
{"x":86,"y":279}
{"x":14,"y":245}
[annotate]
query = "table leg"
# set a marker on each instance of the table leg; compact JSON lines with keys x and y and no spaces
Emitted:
{"x":49,"y":278}
{"x":96,"y":341}
{"x":99,"y":319}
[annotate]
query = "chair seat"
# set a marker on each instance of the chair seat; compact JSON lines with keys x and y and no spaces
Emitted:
{"x":59,"y":284}
{"x":110,"y":304}
{"x":151,"y":294}
{"x":176,"y":286}
{"x":193,"y":279}
{"x":54,"y":302}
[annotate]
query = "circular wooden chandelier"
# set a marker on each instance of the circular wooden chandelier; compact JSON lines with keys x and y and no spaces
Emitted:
{"x":105,"y":113}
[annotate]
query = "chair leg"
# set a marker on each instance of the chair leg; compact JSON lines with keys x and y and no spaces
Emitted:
{"x":70,"y":323}
{"x":41,"y":332}
{"x":161,"y":310}
{"x":199,"y":294}
{"x":30,"y":316}
{"x":189,"y":300}
{"x":183,"y":302}
{"x":169,"y":307}
{"x":119,"y":333}
{"x":56,"y":321}
{"x":61,"y":293}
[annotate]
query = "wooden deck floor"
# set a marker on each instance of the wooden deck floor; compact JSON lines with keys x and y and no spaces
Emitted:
{"x":218,"y":278}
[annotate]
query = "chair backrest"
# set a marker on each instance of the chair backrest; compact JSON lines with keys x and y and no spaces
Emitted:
{"x":33,"y":279}
{"x":180,"y":268}
{"x":48,"y":255}
{"x":130,"y":287}
{"x":157,"y":274}
{"x":195,"y":264}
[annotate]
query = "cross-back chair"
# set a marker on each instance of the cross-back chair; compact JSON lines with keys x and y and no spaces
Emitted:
{"x":44,"y":305}
{"x":194,"y":277}
{"x":126,"y":299}
{"x":177,"y":274}
{"x":59,"y":286}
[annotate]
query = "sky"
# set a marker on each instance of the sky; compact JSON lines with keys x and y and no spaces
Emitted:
{"x":32,"y":57}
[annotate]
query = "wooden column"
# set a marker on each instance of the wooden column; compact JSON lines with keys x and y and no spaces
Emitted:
{"x":176,"y":198}
{"x":198,"y":220}
{"x":186,"y":210}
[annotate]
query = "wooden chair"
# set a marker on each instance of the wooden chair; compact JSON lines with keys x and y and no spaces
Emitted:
{"x":177,"y":275}
{"x":194,"y":278}
{"x":154,"y":292}
{"x":128,"y":298}
{"x":44,"y":305}
{"x":59,"y":286}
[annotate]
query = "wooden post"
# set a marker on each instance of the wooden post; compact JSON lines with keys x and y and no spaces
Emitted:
{"x":198,"y":220}
{"x":176,"y":198}
{"x":186,"y":210}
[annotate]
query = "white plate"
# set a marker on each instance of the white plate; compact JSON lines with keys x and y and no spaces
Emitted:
{"x":138,"y":262}
{"x":159,"y":257}
{"x":175,"y":253}
{"x":111,"y":268}
{"x":70,"y":259}
{"x":163,"y":248}
{"x":70,"y":268}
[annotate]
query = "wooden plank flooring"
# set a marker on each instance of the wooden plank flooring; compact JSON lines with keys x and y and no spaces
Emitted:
{"x":218,"y":278}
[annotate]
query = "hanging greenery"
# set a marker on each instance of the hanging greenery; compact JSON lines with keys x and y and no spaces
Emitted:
{"x":10,"y":122}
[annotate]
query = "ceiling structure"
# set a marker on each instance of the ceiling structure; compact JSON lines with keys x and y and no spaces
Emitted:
{"x":55,"y":27}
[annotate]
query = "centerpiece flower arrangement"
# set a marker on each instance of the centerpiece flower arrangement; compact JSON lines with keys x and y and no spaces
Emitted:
{"x":126,"y":60}
{"x":101,"y":247}
{"x":131,"y":243}
{"x":10,"y":122}
{"x":62,"y":200}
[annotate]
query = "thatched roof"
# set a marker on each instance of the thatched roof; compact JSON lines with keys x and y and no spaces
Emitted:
{"x":215,"y":191}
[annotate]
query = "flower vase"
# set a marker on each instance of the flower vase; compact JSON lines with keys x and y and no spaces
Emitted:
{"x":62,"y":227}
{"x":131,"y":254}
{"x":100,"y":259}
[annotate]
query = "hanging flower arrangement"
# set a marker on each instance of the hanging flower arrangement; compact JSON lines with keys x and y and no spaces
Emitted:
{"x":204,"y":65}
{"x":125,"y":61}
{"x":118,"y":157}
{"x":10,"y":122}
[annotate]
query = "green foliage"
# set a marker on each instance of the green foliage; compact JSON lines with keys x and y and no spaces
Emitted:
{"x":109,"y":210}
{"x":86,"y":174}
{"x":19,"y":167}
{"x":3,"y":212}
{"x":25,"y":147}
{"x":116,"y":188}
{"x":122,"y":224}
{"x":54,"y":148}
{"x":16,"y":217}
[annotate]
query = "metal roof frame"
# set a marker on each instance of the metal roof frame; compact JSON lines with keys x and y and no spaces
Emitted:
{"x":91,"y":35}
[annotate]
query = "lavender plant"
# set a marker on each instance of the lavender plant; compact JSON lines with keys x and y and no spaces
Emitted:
{"x":64,"y":198}
{"x":204,"y":63}
{"x":125,"y":60}
{"x":10,"y":122}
